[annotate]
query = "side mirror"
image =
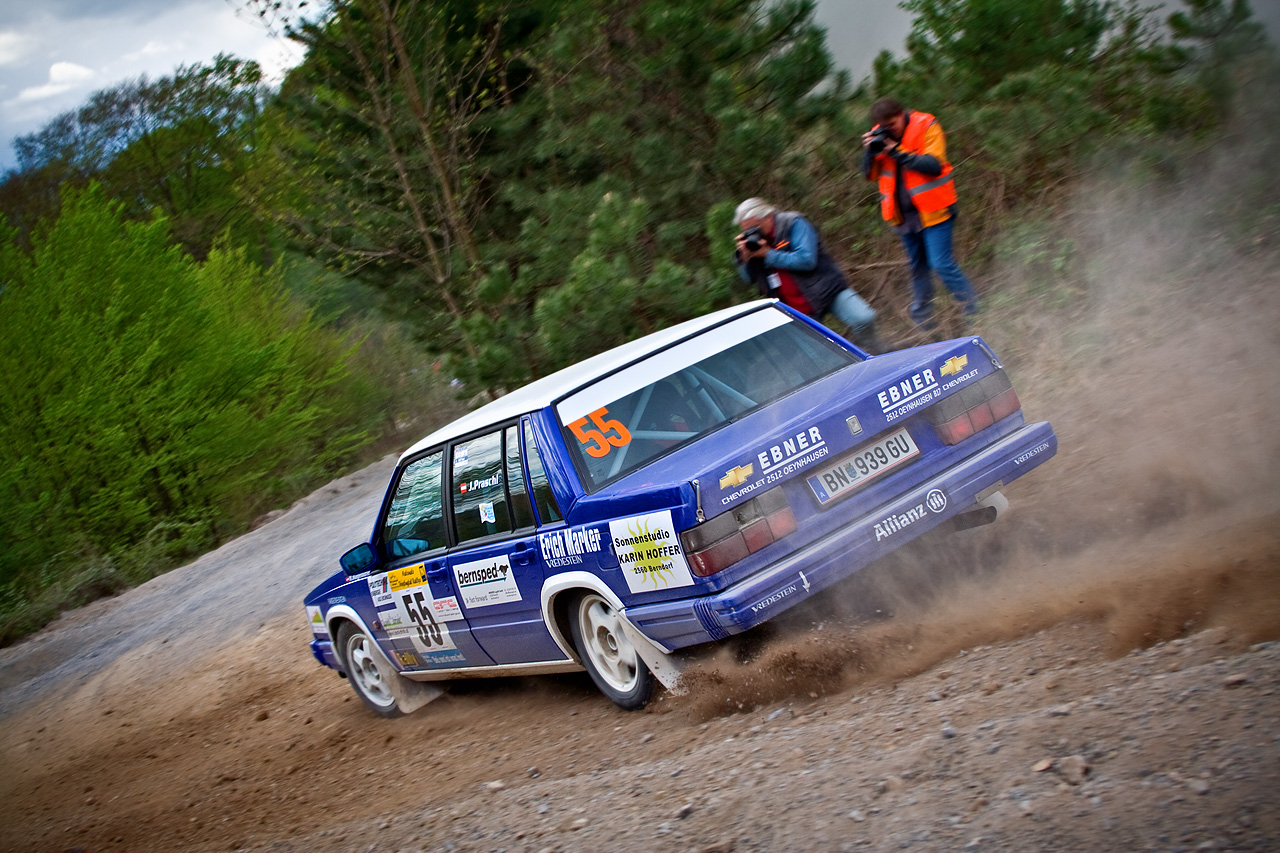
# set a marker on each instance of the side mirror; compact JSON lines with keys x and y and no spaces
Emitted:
{"x":358,"y":559}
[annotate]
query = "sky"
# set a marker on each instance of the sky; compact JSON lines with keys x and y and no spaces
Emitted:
{"x":55,"y":53}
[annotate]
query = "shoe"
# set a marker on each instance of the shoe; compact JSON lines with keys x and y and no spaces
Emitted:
{"x":922,"y":316}
{"x":867,"y":339}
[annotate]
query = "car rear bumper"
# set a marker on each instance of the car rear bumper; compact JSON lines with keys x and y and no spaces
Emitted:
{"x":758,"y":598}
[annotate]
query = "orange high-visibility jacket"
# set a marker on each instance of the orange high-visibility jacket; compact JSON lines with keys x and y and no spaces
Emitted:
{"x":932,"y":197}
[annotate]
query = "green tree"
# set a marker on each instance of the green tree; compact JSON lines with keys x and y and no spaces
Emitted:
{"x":495,"y":170}
{"x":176,"y":145}
{"x":155,"y":392}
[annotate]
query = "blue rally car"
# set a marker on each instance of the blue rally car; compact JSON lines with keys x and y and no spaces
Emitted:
{"x":673,"y":491}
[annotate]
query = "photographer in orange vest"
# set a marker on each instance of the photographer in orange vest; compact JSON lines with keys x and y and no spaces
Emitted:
{"x":906,"y":154}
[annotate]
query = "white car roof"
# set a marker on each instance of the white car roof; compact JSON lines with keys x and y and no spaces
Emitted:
{"x":542,"y":392}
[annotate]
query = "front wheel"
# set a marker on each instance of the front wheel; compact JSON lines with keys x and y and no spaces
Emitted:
{"x":367,"y":671}
{"x":607,"y":654}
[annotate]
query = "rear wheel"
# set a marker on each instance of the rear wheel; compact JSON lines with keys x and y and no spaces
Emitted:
{"x":607,"y":654}
{"x":367,"y":670}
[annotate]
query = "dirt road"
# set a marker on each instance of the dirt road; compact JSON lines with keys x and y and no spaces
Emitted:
{"x":1097,"y":671}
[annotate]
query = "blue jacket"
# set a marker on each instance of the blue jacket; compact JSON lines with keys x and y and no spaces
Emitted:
{"x":798,"y":250}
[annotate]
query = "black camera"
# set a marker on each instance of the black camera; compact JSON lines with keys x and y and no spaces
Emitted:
{"x":753,"y":238}
{"x":879,"y":137}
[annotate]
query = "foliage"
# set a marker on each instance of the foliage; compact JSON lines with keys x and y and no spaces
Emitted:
{"x":516,"y":184}
{"x":526,"y":182}
{"x":176,"y":145}
{"x":163,"y":402}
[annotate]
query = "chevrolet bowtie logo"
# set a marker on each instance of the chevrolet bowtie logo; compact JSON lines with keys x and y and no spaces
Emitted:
{"x":955,"y":364}
{"x":737,"y":476}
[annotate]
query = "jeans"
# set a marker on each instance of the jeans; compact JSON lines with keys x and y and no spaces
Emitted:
{"x":929,"y":251}
{"x":852,"y":310}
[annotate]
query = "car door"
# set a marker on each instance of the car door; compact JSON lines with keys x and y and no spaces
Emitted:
{"x":418,"y":619}
{"x":495,"y":564}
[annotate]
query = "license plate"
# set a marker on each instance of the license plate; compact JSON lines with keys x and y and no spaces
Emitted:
{"x":864,"y":466}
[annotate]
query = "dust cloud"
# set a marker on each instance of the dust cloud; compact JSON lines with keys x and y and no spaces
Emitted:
{"x":1159,"y":516}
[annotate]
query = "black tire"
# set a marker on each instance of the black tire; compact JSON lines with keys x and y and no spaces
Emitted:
{"x":370,"y":676}
{"x":607,"y":654}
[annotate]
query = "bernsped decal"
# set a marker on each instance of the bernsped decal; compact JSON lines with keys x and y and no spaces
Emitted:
{"x":569,"y":547}
{"x":649,"y":552}
{"x":486,"y":582}
{"x":934,"y":502}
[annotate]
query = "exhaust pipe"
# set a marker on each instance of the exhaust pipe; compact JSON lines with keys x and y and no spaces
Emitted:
{"x":989,"y":508}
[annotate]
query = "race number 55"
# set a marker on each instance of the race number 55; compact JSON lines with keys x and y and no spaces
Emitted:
{"x":606,"y":434}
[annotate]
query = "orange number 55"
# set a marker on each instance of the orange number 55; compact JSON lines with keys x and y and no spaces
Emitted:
{"x":607,"y":434}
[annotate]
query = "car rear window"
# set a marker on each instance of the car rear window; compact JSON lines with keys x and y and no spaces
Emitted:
{"x":672,"y":397}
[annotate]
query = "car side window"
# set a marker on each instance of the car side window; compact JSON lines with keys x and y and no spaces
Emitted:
{"x":479,"y":488}
{"x":548,"y":511}
{"x":521,"y":510}
{"x":415,"y":519}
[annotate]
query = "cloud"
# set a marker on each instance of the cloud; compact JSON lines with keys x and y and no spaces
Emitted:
{"x":153,"y":48}
{"x":12,"y":47}
{"x":63,"y":76}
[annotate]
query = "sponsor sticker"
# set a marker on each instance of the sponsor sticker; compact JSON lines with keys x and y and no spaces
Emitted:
{"x":486,"y":513}
{"x":774,"y":599}
{"x":444,"y":658}
{"x":891,"y":525}
{"x":407,"y":658}
{"x":486,"y":483}
{"x":392,"y":620}
{"x":959,"y":380}
{"x":799,"y":444}
{"x":1035,"y":451}
{"x":407,"y":576}
{"x":907,"y":393}
{"x":380,"y":591}
{"x":316,"y":621}
{"x":486,"y":582}
{"x":649,"y":552}
{"x":792,"y":454}
{"x":418,"y":621}
{"x":446,"y":609}
{"x":953,"y":365}
{"x":569,"y":547}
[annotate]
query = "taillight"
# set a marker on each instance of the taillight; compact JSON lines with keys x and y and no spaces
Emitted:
{"x":718,"y":543}
{"x":974,"y":408}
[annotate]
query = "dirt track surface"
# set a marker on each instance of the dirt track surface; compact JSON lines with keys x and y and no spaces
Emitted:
{"x":1098,"y":671}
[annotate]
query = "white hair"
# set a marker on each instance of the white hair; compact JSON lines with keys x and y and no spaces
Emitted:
{"x":753,"y":208}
